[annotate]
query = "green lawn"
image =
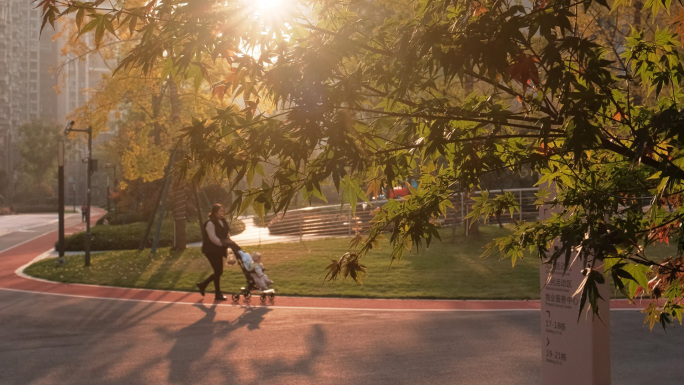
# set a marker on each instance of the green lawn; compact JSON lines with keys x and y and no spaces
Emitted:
{"x":448,"y":269}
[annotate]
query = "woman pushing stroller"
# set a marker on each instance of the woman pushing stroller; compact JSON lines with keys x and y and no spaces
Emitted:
{"x":215,"y":244}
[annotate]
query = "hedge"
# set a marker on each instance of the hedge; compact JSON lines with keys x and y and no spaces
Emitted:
{"x":127,"y":237}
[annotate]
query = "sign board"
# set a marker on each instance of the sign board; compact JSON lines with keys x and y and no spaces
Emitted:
{"x":573,"y":351}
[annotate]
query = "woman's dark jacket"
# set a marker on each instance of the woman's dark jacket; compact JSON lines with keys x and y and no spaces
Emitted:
{"x":208,"y":247}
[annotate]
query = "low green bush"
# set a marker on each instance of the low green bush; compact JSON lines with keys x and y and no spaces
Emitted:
{"x":236,"y":227}
{"x":127,"y":237}
{"x":35,"y":209}
{"x":114,"y":218}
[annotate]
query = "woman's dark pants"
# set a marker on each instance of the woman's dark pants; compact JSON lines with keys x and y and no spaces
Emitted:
{"x":216,"y":262}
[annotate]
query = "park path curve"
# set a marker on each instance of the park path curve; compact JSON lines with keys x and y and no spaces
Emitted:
{"x":15,"y":259}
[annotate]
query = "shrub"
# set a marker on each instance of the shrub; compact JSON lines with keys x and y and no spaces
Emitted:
{"x":114,"y":218}
{"x":40,"y":208}
{"x":127,"y":237}
{"x":236,"y":227}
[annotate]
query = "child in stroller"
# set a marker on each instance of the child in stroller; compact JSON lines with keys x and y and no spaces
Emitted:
{"x":254,"y":274}
{"x":256,"y":269}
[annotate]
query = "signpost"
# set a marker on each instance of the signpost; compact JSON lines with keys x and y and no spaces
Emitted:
{"x":573,"y":351}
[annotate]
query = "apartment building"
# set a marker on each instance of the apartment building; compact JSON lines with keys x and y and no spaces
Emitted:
{"x":31,"y":66}
{"x":26,"y":82}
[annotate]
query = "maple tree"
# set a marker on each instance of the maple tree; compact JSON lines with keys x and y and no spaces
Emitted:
{"x":367,"y":94}
{"x":146,"y":107}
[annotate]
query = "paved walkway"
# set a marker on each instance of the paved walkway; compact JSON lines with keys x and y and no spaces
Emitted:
{"x":15,"y":259}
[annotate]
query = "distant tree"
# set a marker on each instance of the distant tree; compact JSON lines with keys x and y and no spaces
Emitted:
{"x":37,"y":145}
{"x":4,"y":185}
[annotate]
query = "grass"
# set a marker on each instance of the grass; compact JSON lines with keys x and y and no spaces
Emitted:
{"x":451,"y":269}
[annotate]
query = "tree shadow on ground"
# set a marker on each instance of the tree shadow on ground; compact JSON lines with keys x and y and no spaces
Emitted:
{"x":302,"y":366}
{"x":66,"y":332}
{"x":165,"y":275}
{"x":194,"y":341}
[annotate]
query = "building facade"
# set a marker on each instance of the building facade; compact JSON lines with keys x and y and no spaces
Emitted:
{"x":26,"y":82}
{"x":31,"y":66}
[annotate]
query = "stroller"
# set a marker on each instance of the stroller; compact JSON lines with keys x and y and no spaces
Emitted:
{"x":250,"y":286}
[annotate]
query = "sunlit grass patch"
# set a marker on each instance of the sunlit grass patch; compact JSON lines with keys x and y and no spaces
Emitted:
{"x":449,"y":269}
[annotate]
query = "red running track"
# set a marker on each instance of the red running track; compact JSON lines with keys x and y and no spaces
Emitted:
{"x":13,"y":260}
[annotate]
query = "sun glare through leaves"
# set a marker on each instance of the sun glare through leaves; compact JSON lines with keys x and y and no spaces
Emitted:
{"x":270,"y":9}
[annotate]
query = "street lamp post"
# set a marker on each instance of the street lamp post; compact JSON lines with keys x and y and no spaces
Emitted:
{"x":108,"y":205}
{"x":60,"y":203}
{"x":89,"y":160}
{"x":109,"y":165}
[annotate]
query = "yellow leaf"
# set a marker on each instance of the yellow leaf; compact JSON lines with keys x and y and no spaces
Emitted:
{"x":652,"y":315}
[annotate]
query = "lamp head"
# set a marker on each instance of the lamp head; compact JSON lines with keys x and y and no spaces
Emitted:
{"x":68,"y":127}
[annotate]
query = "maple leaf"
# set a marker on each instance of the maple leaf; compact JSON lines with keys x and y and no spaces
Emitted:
{"x":652,"y":315}
{"x":251,"y":105}
{"x":150,"y":6}
{"x":478,"y":8}
{"x":540,"y":4}
{"x":334,"y":269}
{"x":678,"y":23}
{"x":524,"y":70}
{"x":219,"y":90}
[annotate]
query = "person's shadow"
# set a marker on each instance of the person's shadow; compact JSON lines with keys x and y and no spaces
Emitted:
{"x":193,"y":341}
{"x":251,"y":318}
{"x":304,"y":365}
{"x":191,"y":344}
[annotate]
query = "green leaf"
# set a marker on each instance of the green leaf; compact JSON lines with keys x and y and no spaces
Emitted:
{"x":589,"y":291}
{"x":79,"y":17}
{"x":132,"y":23}
{"x":100,"y":31}
{"x":639,"y":274}
{"x":90,"y":25}
{"x":351,"y":192}
{"x":660,"y":190}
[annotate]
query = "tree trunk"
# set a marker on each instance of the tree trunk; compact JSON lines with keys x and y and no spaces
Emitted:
{"x":157,"y":126}
{"x":180,"y":196}
{"x":638,"y":6}
{"x":472,"y":228}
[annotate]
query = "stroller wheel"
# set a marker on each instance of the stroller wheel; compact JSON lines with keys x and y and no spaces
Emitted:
{"x":236,"y":297}
{"x":263,"y":298}
{"x":248,"y":295}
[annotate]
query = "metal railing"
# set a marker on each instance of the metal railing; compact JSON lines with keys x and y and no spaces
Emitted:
{"x":527,"y":210}
{"x":335,"y":221}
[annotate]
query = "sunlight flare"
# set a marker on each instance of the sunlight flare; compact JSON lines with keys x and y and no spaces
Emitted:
{"x":270,"y":9}
{"x":268,"y":6}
